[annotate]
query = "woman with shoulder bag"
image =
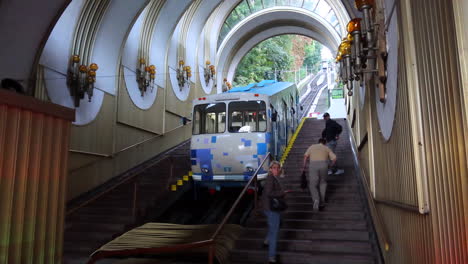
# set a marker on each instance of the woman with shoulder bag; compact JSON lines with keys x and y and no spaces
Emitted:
{"x":273,"y":194}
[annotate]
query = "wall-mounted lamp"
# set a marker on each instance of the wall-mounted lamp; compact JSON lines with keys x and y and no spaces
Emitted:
{"x":183,"y":74}
{"x":226,"y":85}
{"x":81,"y":79}
{"x":348,"y":73}
{"x":354,"y":29}
{"x":358,"y":49}
{"x":145,"y":76}
{"x":365,"y":6}
{"x":209,"y":72}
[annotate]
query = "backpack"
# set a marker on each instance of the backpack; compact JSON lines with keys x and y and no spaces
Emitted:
{"x":338,"y":127}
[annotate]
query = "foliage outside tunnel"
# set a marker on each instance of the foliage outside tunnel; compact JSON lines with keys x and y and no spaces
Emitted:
{"x":284,"y":58}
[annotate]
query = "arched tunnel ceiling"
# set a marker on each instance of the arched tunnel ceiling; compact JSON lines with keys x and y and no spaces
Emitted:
{"x":107,"y":48}
{"x":268,"y":23}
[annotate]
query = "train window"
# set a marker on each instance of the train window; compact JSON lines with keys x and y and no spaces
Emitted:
{"x":249,"y":116}
{"x":209,"y":118}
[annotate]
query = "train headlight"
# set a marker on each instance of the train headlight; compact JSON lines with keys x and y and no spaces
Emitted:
{"x":205,"y":170}
{"x":250,"y":169}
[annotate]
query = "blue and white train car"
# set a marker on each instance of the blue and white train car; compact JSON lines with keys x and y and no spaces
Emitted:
{"x":233,"y":132}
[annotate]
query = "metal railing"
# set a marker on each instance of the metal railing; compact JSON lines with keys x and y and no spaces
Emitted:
{"x":129,"y":178}
{"x":112,"y":155}
{"x":210,"y":243}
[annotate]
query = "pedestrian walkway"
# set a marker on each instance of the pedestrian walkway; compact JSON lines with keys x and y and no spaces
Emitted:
{"x":342,"y":232}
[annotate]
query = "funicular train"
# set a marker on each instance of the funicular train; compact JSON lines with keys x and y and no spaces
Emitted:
{"x":233,"y":131}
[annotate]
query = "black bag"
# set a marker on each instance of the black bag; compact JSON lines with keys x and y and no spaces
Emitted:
{"x":278,"y":204}
{"x":304,"y":183}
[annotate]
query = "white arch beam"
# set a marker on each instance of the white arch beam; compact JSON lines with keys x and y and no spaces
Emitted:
{"x":106,"y":53}
{"x":268,"y":19}
{"x":272,"y":32}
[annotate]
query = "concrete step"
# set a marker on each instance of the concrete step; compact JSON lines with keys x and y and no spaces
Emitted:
{"x":312,"y":224}
{"x":306,"y":245}
{"x":294,"y":234}
{"x":253,"y":256}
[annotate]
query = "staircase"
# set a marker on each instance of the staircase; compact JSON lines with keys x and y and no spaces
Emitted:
{"x":109,"y":215}
{"x":342,"y":232}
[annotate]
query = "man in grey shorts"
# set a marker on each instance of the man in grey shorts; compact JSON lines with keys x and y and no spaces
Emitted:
{"x":318,"y":156}
{"x":331,"y":134}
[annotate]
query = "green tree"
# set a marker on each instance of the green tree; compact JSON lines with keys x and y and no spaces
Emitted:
{"x":313,"y":56}
{"x":268,"y":56}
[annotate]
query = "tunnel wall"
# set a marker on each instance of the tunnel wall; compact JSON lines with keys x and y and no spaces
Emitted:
{"x":417,"y":178}
{"x":123,"y":135}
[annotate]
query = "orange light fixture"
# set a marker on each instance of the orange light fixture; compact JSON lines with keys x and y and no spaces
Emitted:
{"x":354,"y":25}
{"x":76,"y":58}
{"x":345,"y":48}
{"x":338,"y":58}
{"x":83,"y":68}
{"x":362,"y":3}
{"x":93,"y":67}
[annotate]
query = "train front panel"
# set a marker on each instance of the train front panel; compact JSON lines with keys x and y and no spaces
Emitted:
{"x":228,"y":158}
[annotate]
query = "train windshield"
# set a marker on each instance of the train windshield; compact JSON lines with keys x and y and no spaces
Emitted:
{"x":248,"y":116}
{"x":209,"y":118}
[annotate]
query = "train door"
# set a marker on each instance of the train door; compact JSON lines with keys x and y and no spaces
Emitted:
{"x":274,"y":131}
{"x":285,"y":123}
{"x":293,"y":114}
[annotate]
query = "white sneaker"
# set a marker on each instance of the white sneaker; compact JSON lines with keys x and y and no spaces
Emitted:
{"x":316,"y":205}
{"x":339,"y":171}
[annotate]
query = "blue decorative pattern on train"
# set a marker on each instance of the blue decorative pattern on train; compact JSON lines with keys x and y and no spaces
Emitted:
{"x":204,"y":158}
{"x":248,"y":174}
{"x":261,"y":148}
{"x":247,"y":143}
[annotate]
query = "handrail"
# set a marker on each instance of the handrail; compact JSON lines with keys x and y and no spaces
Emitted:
{"x":407,"y":207}
{"x":254,"y":178}
{"x":367,"y":192}
{"x":121,"y":150}
{"x":132,"y":176}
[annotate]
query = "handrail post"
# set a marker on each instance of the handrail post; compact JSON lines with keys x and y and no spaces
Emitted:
{"x":135,"y":187}
{"x":211,"y":253}
{"x":171,"y":174}
{"x":255,"y":192}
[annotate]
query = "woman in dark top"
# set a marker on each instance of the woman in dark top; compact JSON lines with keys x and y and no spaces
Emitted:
{"x":272,"y":188}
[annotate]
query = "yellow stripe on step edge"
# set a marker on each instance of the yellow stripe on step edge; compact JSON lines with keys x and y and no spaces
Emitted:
{"x":179,"y":182}
{"x":190,"y":173}
{"x":185,"y":178}
{"x":291,"y":143}
{"x":173,"y":187}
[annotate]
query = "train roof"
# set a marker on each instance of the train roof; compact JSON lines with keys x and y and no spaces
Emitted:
{"x":267,"y":87}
